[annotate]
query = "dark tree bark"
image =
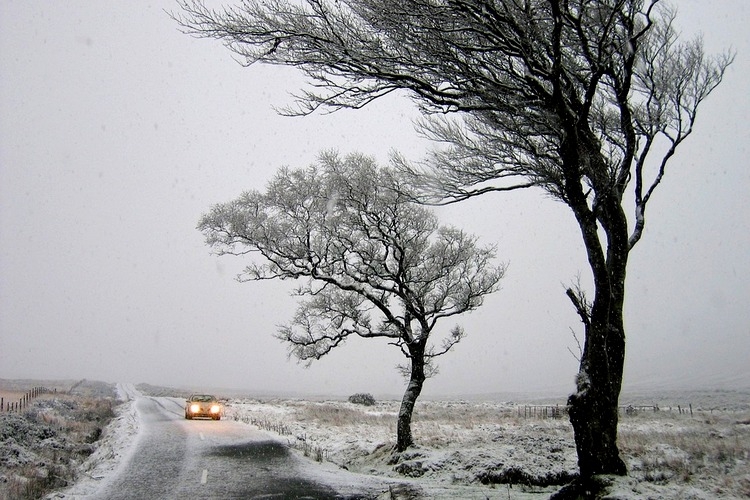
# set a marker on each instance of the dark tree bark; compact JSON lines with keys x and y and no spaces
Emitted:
{"x":417,"y":377}
{"x":593,"y":408}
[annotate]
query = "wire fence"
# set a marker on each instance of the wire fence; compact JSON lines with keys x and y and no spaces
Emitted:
{"x":542,"y":411}
{"x":23,"y":402}
{"x":560,"y":411}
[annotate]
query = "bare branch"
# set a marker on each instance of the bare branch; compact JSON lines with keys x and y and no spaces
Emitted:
{"x":579,"y":355}
{"x":577,"y":296}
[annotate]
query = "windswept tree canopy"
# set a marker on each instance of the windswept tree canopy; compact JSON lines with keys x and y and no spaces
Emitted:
{"x":374,"y":264}
{"x":532,"y":80}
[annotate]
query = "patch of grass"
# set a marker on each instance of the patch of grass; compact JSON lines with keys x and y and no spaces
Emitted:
{"x":31,"y":482}
{"x":663,"y":448}
{"x":338,"y":415}
{"x":161,"y":391}
{"x":460,"y":413}
{"x":43,"y":446}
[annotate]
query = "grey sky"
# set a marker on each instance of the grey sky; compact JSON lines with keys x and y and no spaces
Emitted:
{"x":117,"y":132}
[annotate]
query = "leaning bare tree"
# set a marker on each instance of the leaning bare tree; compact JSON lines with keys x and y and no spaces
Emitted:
{"x":586,"y":99}
{"x":376,"y":265}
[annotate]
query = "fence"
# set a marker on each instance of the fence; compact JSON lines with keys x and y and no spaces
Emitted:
{"x":542,"y":411}
{"x":23,"y":402}
{"x":634,"y":410}
{"x":558,"y":411}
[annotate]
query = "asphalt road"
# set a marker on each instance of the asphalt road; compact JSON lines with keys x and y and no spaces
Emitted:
{"x":190,"y":459}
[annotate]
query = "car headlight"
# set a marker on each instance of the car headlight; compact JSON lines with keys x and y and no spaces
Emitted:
{"x":215,"y":409}
{"x":195,"y":408}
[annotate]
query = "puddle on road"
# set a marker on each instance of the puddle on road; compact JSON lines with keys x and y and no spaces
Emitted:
{"x":268,"y":472}
{"x":254,"y":450}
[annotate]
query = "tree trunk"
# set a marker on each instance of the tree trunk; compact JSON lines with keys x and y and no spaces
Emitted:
{"x":413,"y":390}
{"x":594,"y":407}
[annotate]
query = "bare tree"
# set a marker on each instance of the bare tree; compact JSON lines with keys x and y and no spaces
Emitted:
{"x":586,"y":99}
{"x":376,"y":264}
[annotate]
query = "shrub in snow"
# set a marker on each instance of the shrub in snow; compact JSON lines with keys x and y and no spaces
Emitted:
{"x":362,"y":399}
{"x":42,"y":447}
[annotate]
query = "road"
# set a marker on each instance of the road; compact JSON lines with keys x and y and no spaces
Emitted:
{"x":177,"y":458}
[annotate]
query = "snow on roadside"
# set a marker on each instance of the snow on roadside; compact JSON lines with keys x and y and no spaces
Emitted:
{"x":113,"y":448}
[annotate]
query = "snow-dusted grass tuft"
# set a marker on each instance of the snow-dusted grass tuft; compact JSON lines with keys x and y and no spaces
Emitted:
{"x":338,"y":414}
{"x":43,"y":446}
{"x":709,"y":450}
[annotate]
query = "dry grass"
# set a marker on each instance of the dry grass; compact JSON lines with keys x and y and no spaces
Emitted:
{"x":458,"y":414}
{"x":462,"y":414}
{"x":10,"y":398}
{"x":708,"y":448}
{"x":434,"y":424}
{"x":343,"y":414}
{"x":42,"y":446}
{"x":8,"y":395}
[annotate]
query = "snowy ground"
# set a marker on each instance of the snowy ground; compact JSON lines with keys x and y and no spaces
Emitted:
{"x":47,"y":444}
{"x":114,"y":446}
{"x":491,"y":450}
{"x":486,"y":449}
{"x":463,"y":451}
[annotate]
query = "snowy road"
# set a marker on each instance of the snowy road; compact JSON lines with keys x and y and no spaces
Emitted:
{"x":177,"y":458}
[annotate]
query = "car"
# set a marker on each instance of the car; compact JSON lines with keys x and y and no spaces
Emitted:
{"x":202,"y":405}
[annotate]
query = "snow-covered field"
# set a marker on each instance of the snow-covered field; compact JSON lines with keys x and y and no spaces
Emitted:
{"x":464,"y":449}
{"x":480,"y":449}
{"x":487,"y":449}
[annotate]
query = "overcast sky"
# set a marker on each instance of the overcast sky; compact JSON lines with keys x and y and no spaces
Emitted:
{"x":117,"y":132}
